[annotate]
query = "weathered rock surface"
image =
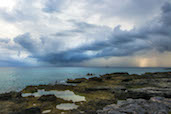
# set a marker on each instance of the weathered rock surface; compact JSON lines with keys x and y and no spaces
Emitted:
{"x":95,"y":79}
{"x":47,"y":98}
{"x":10,"y":96}
{"x":145,"y":93}
{"x":156,"y":105}
{"x":109,"y":76}
{"x":79,"y":80}
{"x":153,"y":91}
{"x":33,"y":110}
{"x":102,"y":88}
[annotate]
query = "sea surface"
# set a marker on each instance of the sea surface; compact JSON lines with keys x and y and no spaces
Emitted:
{"x":17,"y":78}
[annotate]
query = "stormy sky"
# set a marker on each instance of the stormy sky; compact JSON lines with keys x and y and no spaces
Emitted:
{"x":124,"y":33}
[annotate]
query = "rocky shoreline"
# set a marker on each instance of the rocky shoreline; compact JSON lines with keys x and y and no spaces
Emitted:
{"x":116,"y":93}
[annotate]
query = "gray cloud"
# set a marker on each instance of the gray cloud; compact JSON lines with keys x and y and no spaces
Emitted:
{"x":120,"y":43}
{"x":85,"y":41}
{"x":26,"y":42}
{"x":5,"y":40}
{"x":12,"y":63}
{"x":24,"y":11}
{"x":55,"y":5}
{"x":132,"y":11}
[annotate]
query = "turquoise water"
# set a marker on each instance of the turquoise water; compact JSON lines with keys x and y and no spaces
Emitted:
{"x":15,"y":79}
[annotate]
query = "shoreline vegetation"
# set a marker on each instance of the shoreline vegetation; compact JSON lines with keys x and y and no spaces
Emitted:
{"x":115,"y":93}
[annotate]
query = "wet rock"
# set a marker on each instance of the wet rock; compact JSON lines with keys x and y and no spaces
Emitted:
{"x":110,"y":76}
{"x":153,"y":91}
{"x":127,"y":80}
{"x":90,"y":74}
{"x":106,"y":77}
{"x":47,"y":98}
{"x":119,"y":88}
{"x":144,"y":93}
{"x":96,"y":79}
{"x":10,"y":96}
{"x":78,"y":80}
{"x":120,"y":73}
{"x":157,"y":74}
{"x":33,"y":110}
{"x":137,"y":106}
{"x":102,"y":88}
{"x":30,"y":89}
{"x":92,"y":106}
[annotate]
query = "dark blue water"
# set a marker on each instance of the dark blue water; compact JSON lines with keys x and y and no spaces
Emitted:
{"x":15,"y":79}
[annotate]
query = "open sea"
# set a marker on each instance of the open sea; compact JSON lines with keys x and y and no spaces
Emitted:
{"x":16,"y":78}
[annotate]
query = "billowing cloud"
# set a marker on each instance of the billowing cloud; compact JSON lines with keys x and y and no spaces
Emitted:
{"x":65,"y":32}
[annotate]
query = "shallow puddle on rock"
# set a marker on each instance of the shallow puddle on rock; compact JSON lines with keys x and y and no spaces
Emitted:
{"x":46,"y":111}
{"x":67,"y":106}
{"x":66,"y":95}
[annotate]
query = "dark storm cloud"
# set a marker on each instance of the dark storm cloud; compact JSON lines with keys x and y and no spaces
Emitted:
{"x":11,"y":63}
{"x":64,"y":57}
{"x":26,"y":42}
{"x":166,"y":15}
{"x":153,"y":35}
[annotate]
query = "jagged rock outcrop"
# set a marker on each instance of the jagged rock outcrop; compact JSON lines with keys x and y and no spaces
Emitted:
{"x":156,"y":105}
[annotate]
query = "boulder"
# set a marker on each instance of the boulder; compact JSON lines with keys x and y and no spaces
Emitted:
{"x":90,"y":74}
